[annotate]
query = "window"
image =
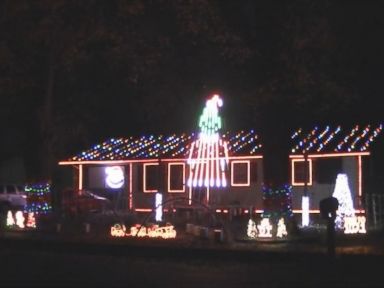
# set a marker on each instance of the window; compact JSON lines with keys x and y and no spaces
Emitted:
{"x":300,"y":171}
{"x":150,"y":177}
{"x":176,"y":177}
{"x":240,"y":175}
{"x":326,"y":169}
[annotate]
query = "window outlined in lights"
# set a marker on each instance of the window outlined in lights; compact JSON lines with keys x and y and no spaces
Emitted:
{"x":145,"y":189}
{"x":169,"y":178}
{"x":233,"y":165}
{"x":295,"y":182}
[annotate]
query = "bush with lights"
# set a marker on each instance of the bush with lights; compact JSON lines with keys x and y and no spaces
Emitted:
{"x":278,"y":204}
{"x":38,"y":198}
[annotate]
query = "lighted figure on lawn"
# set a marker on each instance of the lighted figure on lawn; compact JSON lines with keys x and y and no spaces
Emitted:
{"x":343,"y":195}
{"x":118,"y":230}
{"x":10,"y":219}
{"x":208,"y":155}
{"x":264,"y":229}
{"x":31,"y":220}
{"x":354,"y":224}
{"x":15,"y":220}
{"x":251,"y":230}
{"x":281,"y":229}
{"x":155,"y":231}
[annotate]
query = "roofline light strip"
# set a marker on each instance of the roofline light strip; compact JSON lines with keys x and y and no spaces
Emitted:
{"x":325,"y":155}
{"x":116,"y":162}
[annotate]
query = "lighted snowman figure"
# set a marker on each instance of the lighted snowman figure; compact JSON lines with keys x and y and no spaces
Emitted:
{"x":114,"y":177}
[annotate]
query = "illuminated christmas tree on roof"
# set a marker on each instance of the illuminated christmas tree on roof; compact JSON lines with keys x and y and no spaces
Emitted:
{"x":208,"y":155}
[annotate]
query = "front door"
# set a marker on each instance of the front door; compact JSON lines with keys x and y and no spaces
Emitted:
{"x":199,"y":194}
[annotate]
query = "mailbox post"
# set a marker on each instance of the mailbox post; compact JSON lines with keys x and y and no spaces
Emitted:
{"x":328,"y":208}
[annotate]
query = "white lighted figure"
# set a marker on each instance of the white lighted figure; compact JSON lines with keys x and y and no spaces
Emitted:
{"x":305,"y":211}
{"x":265,"y":228}
{"x":343,"y":195}
{"x":20,"y":219}
{"x":114,"y":177}
{"x":10,"y":219}
{"x":281,"y":229}
{"x":118,"y":230}
{"x":354,"y":225}
{"x":159,"y":207}
{"x":251,"y":230}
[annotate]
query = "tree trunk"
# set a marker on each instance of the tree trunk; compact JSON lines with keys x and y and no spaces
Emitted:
{"x":276,"y":146}
{"x":47,"y":157}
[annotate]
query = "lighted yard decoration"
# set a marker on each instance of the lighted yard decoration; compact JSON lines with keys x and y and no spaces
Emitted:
{"x":343,"y":195}
{"x":265,"y":228}
{"x":305,"y":211}
{"x":277,"y":206}
{"x":251,"y":229}
{"x":159,"y":207}
{"x":154,"y":231}
{"x":345,"y":217}
{"x":354,"y":225}
{"x":114,"y":177}
{"x":31,"y":220}
{"x":16,"y":219}
{"x":281,"y":229}
{"x":208,"y":155}
{"x":10,"y":219}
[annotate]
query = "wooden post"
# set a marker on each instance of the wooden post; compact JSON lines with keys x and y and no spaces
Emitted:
{"x":374,"y":210}
{"x":380,"y":214}
{"x":367,"y":207}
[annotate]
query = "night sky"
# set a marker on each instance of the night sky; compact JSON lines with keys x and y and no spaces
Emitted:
{"x":73,"y":73}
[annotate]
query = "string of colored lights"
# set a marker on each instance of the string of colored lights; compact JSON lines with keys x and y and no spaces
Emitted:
{"x":38,"y":198}
{"x":305,"y":140}
{"x":347,"y":137}
{"x":328,"y":139}
{"x":358,"y":139}
{"x":152,"y":147}
{"x":370,"y":139}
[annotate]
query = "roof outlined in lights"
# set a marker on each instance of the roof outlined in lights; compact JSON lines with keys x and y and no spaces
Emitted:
{"x":334,"y":139}
{"x":160,"y":146}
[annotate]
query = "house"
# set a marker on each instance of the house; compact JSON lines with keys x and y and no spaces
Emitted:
{"x":319,"y":154}
{"x":206,"y":169}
